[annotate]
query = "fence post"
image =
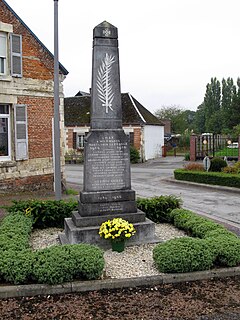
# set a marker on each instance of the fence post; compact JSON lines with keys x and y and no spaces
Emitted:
{"x":193,"y":147}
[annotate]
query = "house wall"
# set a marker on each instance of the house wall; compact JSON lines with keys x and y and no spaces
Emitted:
{"x":153,"y":141}
{"x":35,"y":90}
{"x":69,"y":131}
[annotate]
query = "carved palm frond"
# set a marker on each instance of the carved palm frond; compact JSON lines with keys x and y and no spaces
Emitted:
{"x":104,"y":87}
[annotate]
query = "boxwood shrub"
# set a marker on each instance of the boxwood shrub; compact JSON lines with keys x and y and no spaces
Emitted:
{"x":14,"y":232}
{"x":158,"y":209}
{"x":183,"y":255}
{"x":214,"y":178}
{"x":56,"y":264}
{"x":193,"y":224}
{"x":214,"y":245}
{"x":59,"y":264}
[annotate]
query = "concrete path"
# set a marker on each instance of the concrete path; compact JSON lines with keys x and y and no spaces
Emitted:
{"x":155,"y":178}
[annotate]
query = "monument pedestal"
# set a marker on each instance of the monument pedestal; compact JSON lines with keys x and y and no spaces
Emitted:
{"x":85,"y":230}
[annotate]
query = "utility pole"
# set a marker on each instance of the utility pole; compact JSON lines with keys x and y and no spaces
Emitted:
{"x":57,"y":163}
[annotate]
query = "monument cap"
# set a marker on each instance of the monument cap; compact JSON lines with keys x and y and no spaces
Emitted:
{"x":105,"y":30}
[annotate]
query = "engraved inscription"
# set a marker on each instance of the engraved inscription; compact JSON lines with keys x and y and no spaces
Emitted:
{"x":108,"y":159}
{"x":110,"y":207}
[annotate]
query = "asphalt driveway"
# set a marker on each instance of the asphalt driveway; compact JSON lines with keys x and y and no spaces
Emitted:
{"x":155,"y":177}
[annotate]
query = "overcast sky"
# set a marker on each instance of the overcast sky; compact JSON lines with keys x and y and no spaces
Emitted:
{"x":169,"y":50}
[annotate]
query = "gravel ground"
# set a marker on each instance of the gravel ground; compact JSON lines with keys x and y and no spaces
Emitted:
{"x":135,"y":261}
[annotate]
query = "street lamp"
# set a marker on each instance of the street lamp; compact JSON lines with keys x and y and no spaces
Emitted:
{"x":57,"y":163}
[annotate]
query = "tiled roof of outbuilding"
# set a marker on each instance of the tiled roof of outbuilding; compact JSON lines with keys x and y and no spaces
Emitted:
{"x":77,"y":111}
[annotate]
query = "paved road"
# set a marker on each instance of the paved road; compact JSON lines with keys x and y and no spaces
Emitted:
{"x":155,"y":178}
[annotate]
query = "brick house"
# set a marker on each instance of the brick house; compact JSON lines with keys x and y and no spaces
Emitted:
{"x":145,"y":131}
{"x":26,"y":106}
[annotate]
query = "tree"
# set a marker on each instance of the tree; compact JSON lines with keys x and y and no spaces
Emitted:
{"x":212,"y":105}
{"x":199,"y":122}
{"x":229,"y":93}
{"x":180,"y":119}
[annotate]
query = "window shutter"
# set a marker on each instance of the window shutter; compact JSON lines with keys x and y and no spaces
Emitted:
{"x":21,"y":135}
{"x":16,"y":55}
{"x":74,"y":140}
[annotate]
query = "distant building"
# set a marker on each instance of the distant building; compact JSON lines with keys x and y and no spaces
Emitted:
{"x":26,"y":106}
{"x":146,"y":132}
{"x":167,"y":126}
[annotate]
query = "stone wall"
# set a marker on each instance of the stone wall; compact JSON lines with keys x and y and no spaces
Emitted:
{"x":31,"y":174}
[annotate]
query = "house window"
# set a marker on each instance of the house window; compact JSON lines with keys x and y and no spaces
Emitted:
{"x":131,"y":138}
{"x":80,"y":141}
{"x":5,"y":133}
{"x":16,"y":55}
{"x":3,"y":53}
{"x":10,"y":55}
{"x":21,"y":136}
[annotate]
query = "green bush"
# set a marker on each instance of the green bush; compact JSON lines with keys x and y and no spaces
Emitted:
{"x":226,"y":250}
{"x":193,"y":224}
{"x":88,"y":261}
{"x":134,"y":155}
{"x":45,"y":214}
{"x":217,"y":164}
{"x":183,"y":255}
{"x":16,"y":266}
{"x":59,"y":264}
{"x":158,"y":209}
{"x":214,"y":178}
{"x":219,"y":246}
{"x":220,"y":232}
{"x":14,"y":232}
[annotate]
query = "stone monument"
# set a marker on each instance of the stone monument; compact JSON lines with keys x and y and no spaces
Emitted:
{"x":107,"y":189}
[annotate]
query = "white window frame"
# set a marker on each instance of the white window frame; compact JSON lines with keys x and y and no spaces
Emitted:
{"x":7,"y":116}
{"x":4,"y":56}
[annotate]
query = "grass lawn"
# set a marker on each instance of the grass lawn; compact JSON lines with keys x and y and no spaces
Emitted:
{"x":228,"y":152}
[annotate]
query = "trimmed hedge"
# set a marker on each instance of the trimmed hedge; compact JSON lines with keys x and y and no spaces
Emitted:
{"x":215,"y":178}
{"x":45,"y":214}
{"x":56,"y":264}
{"x":14,"y":232}
{"x":59,"y":264}
{"x":183,"y":255}
{"x":214,"y":245}
{"x":158,"y":209}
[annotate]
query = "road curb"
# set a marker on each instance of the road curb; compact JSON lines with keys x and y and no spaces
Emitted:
{"x":203,"y":185}
{"x":107,"y":284}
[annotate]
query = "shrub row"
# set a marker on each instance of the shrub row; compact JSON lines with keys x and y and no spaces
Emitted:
{"x":157,"y":209}
{"x":45,"y":214}
{"x":215,"y":178}
{"x":56,"y":264}
{"x":213,"y":245}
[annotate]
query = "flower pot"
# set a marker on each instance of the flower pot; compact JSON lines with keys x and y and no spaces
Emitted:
{"x":118,"y":246}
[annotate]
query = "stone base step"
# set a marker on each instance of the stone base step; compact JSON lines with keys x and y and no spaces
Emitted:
{"x":145,"y":233}
{"x":80,"y":221}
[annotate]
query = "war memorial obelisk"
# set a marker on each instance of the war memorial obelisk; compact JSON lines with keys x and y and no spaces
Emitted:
{"x":107,"y":189}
